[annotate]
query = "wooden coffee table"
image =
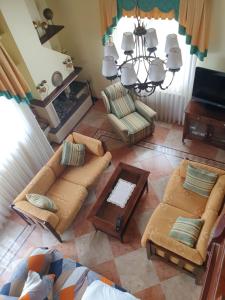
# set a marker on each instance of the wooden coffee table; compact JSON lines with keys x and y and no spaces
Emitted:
{"x":113,"y":219}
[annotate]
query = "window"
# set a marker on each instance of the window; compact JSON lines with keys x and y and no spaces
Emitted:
{"x":12,"y":128}
{"x":163,"y":28}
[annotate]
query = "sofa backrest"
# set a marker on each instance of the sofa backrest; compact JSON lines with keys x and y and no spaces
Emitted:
{"x":40,"y":184}
{"x":184,"y":164}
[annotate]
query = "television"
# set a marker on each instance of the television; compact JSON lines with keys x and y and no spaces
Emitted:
{"x":209,"y":87}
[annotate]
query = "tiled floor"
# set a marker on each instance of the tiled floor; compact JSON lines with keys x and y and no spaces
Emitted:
{"x":126,"y":263}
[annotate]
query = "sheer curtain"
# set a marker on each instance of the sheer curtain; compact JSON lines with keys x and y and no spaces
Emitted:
{"x":24,"y":150}
{"x":168,"y":104}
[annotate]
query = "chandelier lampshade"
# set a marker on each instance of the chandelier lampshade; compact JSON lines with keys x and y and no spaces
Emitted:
{"x":128,"y":75}
{"x":110,"y":50}
{"x":151,"y":40}
{"x":128,"y":44}
{"x":157,"y":72}
{"x":142,"y":71}
{"x":171,"y":42}
{"x":174,"y":61}
{"x":109,"y":69}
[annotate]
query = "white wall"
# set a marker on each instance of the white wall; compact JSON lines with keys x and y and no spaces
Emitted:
{"x":41,"y":62}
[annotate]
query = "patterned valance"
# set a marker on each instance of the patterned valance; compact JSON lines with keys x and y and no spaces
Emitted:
{"x":193,"y":17}
{"x":12,"y":83}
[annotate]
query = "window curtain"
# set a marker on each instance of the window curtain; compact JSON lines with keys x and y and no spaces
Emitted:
{"x":194,"y":21}
{"x":24,"y":150}
{"x":12,"y":84}
{"x":24,"y":147}
{"x":193,"y":17}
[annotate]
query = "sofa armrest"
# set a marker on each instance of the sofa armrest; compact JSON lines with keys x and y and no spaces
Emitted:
{"x":118,"y":124}
{"x":143,"y":109}
{"x":36,"y":213}
{"x":93,"y":145}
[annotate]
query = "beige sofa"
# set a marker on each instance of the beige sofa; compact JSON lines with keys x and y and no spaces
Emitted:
{"x":179,"y":202}
{"x":66,"y":186}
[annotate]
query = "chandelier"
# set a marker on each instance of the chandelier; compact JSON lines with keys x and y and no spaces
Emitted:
{"x":142,"y":71}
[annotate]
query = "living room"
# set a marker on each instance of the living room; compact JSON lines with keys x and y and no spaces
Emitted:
{"x":112,"y":161}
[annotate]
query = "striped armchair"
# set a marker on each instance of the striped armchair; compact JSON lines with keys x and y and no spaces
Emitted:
{"x":132,"y":119}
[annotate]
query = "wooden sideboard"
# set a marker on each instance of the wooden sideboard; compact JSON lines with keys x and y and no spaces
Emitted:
{"x":214,"y":282}
{"x":204,"y":122}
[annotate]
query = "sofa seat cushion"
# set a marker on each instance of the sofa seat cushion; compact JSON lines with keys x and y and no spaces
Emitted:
{"x":179,"y":197}
{"x":68,"y":197}
{"x":159,"y":226}
{"x":135,"y":123}
{"x":87,"y":174}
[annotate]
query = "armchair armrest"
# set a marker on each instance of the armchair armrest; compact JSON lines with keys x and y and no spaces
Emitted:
{"x":118,"y":124}
{"x":93,"y":145}
{"x":143,"y":109}
{"x":36,"y":213}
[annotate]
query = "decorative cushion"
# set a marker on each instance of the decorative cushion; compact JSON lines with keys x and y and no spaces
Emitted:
{"x":73,"y":154}
{"x":122,"y":106}
{"x":38,"y":261}
{"x":36,"y":288}
{"x":115,"y":91}
{"x":101,"y":291}
{"x":186,"y":230}
{"x":199,"y":181}
{"x":41,"y":201}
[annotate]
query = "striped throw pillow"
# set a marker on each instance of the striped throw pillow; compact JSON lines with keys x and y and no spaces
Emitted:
{"x":186,"y":230}
{"x":73,"y":154}
{"x":199,"y":181}
{"x":122,"y":106}
{"x":41,"y":201}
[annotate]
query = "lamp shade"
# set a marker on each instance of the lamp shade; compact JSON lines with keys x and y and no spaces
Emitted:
{"x":151,"y":40}
{"x":174,"y":61}
{"x":110,"y":50}
{"x":109,"y":68}
{"x":171,"y":42}
{"x":128,"y":41}
{"x":156,"y":71}
{"x":128,"y":75}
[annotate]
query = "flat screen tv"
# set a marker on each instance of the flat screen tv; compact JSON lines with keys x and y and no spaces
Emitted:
{"x":209,"y":87}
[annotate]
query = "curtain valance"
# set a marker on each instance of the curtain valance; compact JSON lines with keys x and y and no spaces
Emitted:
{"x":12,"y":83}
{"x":193,"y":17}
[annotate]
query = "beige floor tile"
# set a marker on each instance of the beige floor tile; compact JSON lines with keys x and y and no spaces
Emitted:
{"x":136,"y":271}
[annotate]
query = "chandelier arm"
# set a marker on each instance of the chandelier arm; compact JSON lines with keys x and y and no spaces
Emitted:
{"x":130,"y":60}
{"x":165,"y":88}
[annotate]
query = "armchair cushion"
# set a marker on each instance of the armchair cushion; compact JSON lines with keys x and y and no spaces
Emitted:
{"x":134,"y":122}
{"x":115,"y":91}
{"x":122,"y":106}
{"x":143,"y":109}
